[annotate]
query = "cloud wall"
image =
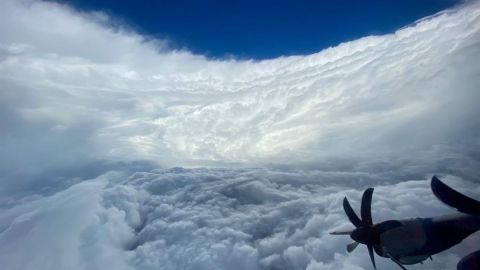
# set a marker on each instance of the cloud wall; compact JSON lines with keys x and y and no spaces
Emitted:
{"x":93,"y":115}
{"x":101,"y":91}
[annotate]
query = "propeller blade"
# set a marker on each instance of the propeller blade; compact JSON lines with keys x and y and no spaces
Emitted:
{"x":366,"y":207}
{"x":370,"y":252}
{"x":347,"y":232}
{"x":351,"y":214}
{"x":352,"y":246}
{"x":453,"y":198}
{"x":471,"y":261}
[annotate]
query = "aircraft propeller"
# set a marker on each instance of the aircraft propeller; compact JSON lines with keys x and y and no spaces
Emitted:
{"x":364,"y":232}
{"x":379,"y":236}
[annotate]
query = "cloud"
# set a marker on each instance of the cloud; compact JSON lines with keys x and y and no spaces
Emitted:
{"x":101,"y":92}
{"x":210,"y":219}
{"x":91,"y":114}
{"x":60,"y":231}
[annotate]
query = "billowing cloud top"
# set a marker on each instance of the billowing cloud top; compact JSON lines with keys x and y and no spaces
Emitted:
{"x":81,"y":83}
{"x":81,"y":94}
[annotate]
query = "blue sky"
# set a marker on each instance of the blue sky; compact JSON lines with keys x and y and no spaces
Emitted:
{"x":263,"y":29}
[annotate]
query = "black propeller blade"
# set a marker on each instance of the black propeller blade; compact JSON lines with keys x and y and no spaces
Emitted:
{"x":366,"y":208}
{"x":370,"y":252}
{"x":352,"y":246}
{"x":351,"y":214}
{"x":454,"y":198}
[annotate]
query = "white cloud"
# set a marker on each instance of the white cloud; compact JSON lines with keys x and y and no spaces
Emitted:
{"x":411,"y":93}
{"x":81,"y":95}
{"x":62,"y":231}
{"x":209,"y":219}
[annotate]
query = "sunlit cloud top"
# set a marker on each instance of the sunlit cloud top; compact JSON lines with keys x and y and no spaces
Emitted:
{"x":78,"y":87}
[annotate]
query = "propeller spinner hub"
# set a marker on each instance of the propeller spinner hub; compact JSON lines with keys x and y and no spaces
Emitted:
{"x":364,"y":235}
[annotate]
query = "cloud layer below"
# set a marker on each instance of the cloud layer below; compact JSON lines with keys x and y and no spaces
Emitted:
{"x":82,"y":97}
{"x":211,"y":219}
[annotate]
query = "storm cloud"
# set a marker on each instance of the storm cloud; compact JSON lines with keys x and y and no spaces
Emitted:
{"x":93,"y":116}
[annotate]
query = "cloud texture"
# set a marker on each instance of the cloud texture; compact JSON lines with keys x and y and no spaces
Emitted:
{"x":210,"y":219}
{"x":81,"y":95}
